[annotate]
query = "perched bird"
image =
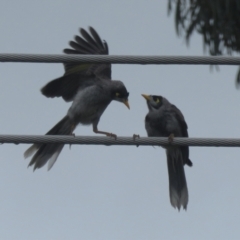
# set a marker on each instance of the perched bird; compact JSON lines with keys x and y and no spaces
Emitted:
{"x":90,"y":88}
{"x":166,"y":120}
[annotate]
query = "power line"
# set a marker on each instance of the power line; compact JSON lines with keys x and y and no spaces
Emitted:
{"x":119,"y":59}
{"x":142,"y":141}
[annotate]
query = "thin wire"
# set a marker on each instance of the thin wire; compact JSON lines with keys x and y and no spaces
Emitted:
{"x":119,"y":59}
{"x":142,"y":141}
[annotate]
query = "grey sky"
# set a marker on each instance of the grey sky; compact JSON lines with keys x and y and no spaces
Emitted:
{"x":99,"y":192}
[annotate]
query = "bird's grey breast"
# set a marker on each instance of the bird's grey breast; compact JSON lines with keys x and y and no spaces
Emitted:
{"x":89,"y":104}
{"x":162,"y":123}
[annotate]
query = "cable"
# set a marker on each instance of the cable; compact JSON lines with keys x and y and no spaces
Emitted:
{"x":118,"y":59}
{"x":142,"y":141}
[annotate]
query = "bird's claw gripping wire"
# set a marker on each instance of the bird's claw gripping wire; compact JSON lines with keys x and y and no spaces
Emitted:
{"x":134,"y":138}
{"x":171,"y":138}
{"x":112,"y":135}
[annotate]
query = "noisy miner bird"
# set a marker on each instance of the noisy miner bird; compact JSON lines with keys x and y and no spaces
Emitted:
{"x":166,"y":120}
{"x":90,"y":88}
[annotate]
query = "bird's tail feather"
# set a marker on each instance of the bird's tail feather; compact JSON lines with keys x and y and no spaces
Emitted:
{"x":49,"y":152}
{"x":177,"y":181}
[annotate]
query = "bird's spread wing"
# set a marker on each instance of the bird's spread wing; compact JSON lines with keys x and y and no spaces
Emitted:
{"x":88,"y":43}
{"x":67,"y":86}
{"x":79,"y":76}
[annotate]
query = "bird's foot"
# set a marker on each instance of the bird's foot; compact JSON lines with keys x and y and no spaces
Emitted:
{"x":105,"y":133}
{"x":170,"y":138}
{"x":134,"y":138}
{"x":111,"y":135}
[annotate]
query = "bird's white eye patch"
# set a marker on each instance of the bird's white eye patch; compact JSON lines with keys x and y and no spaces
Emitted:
{"x":117,"y":94}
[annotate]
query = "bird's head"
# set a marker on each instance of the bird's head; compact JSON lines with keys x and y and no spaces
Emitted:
{"x":154,"y":102}
{"x":120,"y":93}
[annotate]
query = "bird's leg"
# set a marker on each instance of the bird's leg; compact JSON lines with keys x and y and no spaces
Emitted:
{"x":105,"y":133}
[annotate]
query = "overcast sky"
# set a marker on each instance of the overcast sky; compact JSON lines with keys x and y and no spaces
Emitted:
{"x":118,"y":192}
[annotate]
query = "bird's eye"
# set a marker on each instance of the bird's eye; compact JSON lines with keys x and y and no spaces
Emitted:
{"x":117,"y":94}
{"x":156,"y":99}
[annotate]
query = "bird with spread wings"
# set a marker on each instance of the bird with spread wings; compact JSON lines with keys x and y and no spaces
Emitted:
{"x":91,"y":90}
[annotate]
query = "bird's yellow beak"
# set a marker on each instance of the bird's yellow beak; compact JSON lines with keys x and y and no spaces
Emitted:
{"x":125,"y":102}
{"x":147,"y":97}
